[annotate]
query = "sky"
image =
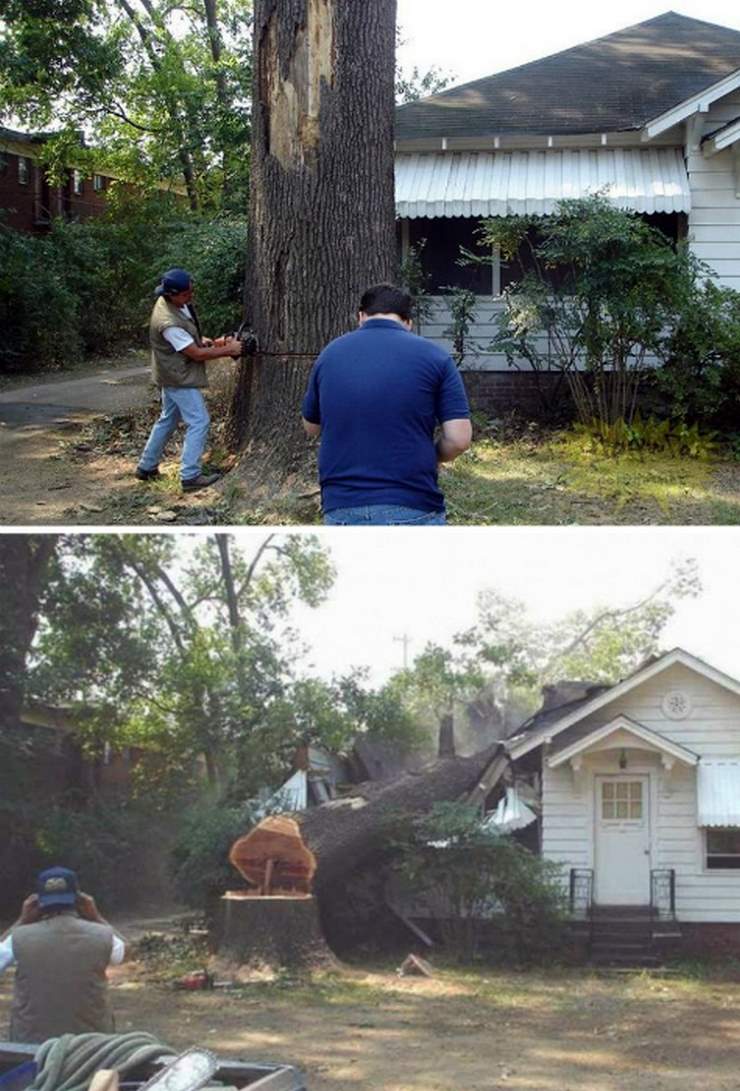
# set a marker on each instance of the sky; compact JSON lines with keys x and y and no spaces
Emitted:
{"x":475,"y":38}
{"x":424,"y":584}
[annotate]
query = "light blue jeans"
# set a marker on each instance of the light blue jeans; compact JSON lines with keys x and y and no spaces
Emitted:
{"x":186,"y":404}
{"x":386,"y":515}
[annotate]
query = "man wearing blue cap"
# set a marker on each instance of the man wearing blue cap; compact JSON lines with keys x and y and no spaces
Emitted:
{"x":179,"y":357}
{"x":60,"y":946}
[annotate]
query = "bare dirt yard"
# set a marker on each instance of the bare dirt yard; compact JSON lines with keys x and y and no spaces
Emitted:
{"x":367,"y":1029}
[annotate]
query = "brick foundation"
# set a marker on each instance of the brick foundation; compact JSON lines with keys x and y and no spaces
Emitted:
{"x":499,"y":393}
{"x":710,"y":940}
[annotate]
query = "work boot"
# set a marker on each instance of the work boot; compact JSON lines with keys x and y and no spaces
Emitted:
{"x":202,"y":481}
{"x":147,"y":475}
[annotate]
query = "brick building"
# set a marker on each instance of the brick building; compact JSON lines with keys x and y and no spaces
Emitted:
{"x":28,"y":202}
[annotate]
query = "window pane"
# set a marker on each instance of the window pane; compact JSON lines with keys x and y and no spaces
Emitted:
{"x":607,"y":809}
{"x":635,"y":809}
{"x":723,"y":841}
{"x":623,"y":810}
{"x":623,"y":791}
{"x":608,"y":790}
{"x":636,"y":789}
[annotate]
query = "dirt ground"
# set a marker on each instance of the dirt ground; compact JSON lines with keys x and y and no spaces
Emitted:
{"x":366,"y":1028}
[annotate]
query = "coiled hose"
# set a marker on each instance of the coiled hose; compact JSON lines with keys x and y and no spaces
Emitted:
{"x":69,"y":1063}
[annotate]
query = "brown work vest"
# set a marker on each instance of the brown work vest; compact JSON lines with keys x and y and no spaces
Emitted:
{"x":169,"y":367}
{"x":60,"y":983}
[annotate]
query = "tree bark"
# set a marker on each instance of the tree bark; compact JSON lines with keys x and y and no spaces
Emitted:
{"x":270,"y":933}
{"x":24,"y":564}
{"x":321,"y":205}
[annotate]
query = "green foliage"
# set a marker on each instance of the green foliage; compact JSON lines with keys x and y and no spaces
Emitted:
{"x":87,"y":287}
{"x":105,"y":844}
{"x":649,"y":434}
{"x":161,"y":86}
{"x":468,"y":874}
{"x":200,"y":856}
{"x":415,"y":281}
{"x":600,"y":292}
{"x":701,"y":376}
{"x":463,"y":305}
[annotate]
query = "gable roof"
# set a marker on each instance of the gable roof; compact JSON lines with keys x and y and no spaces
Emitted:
{"x":521,"y":744}
{"x":624,"y":724}
{"x":612,"y":84}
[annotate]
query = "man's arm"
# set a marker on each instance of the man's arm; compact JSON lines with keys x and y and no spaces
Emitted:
{"x":310,"y":428}
{"x":455,"y":439}
{"x":89,"y":911}
{"x":228,"y":347}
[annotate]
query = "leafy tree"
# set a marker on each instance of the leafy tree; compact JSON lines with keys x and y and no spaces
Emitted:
{"x":507,"y":656}
{"x":163,"y":87}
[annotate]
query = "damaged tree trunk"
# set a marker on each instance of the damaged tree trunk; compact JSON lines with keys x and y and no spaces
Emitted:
{"x":329,"y":844}
{"x":322,"y":219}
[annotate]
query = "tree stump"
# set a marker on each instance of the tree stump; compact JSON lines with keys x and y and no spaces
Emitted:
{"x":269,"y":933}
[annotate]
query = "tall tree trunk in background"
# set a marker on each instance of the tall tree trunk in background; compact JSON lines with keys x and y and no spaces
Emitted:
{"x":322,"y":223}
{"x":24,"y":564}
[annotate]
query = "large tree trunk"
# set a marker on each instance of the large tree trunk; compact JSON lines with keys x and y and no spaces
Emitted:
{"x":345,"y":839}
{"x":24,"y":562}
{"x":322,"y":205}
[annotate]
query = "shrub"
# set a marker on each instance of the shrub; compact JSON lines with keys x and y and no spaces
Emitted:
{"x":200,"y":856}
{"x":470,"y":874}
{"x":701,"y":376}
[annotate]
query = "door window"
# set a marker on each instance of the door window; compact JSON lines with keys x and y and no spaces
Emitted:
{"x":621,"y":800}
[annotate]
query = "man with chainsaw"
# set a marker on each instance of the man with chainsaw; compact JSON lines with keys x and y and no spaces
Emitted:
{"x":179,"y":355}
{"x":61,"y":946}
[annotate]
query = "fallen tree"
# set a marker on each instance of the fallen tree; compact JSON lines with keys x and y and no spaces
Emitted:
{"x":330,"y":846}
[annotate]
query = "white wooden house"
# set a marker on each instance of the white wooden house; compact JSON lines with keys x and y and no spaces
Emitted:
{"x":652,"y":112}
{"x":640,"y":789}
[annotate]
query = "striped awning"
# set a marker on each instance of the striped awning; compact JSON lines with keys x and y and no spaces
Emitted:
{"x":532,"y":182}
{"x":718,"y":793}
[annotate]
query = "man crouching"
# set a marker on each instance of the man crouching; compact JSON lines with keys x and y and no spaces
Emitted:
{"x":179,"y":357}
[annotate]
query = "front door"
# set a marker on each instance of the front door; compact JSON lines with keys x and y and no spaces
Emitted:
{"x":622,"y":840}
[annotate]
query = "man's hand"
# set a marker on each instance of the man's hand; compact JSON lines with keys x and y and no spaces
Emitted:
{"x":87,"y":908}
{"x":30,"y":910}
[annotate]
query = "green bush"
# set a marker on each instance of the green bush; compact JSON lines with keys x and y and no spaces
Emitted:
{"x":701,"y":377}
{"x":200,"y":856}
{"x":87,"y":288}
{"x":469,"y":875}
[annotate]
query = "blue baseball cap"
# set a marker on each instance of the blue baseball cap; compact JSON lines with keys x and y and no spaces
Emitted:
{"x":57,"y":886}
{"x":173,"y":281}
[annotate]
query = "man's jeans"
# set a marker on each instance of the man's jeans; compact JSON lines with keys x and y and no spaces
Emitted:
{"x":186,"y":404}
{"x":387,"y":515}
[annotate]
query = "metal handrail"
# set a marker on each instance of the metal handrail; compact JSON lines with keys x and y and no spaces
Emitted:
{"x":663,"y":892}
{"x":581,"y":892}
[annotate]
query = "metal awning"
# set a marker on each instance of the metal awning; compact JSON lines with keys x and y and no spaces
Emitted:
{"x":718,"y":793}
{"x":532,"y":182}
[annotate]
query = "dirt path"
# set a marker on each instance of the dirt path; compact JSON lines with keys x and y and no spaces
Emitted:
{"x":373,"y":1031}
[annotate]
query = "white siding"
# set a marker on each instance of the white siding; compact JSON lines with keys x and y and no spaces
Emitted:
{"x":712,"y":730}
{"x":714,"y":220}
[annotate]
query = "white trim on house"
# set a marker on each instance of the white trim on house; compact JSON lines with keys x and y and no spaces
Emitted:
{"x":533,"y":182}
{"x":668,"y":750}
{"x":724,"y":138}
{"x":698,"y":103}
{"x":677,"y":655}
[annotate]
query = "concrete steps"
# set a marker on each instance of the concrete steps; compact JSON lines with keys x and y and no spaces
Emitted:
{"x":625,"y":936}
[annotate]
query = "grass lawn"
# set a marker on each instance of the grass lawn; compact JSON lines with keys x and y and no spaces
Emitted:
{"x":556,"y":480}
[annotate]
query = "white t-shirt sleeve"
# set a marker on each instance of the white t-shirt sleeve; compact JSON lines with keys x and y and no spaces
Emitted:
{"x":7,"y":958}
{"x":117,"y":951}
{"x":178,"y":338}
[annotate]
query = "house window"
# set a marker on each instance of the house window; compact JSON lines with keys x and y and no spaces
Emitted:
{"x":23,"y":170}
{"x":78,"y":185}
{"x":723,"y":848}
{"x":622,"y":799}
{"x":98,"y":183}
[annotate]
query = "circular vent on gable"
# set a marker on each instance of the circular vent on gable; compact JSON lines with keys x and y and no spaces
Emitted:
{"x":676,"y":705}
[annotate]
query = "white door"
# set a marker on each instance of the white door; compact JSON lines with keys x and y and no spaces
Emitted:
{"x":622,"y":840}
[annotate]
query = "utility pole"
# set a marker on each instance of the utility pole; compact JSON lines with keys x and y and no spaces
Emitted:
{"x":405,"y":640}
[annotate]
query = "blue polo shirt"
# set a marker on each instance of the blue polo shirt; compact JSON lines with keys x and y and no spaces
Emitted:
{"x":378,"y":394}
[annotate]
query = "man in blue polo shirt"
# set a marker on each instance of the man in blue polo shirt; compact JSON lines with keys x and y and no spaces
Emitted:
{"x":376,"y":396}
